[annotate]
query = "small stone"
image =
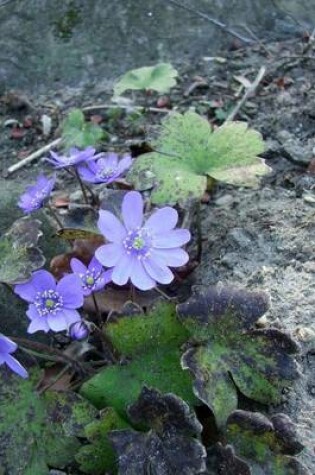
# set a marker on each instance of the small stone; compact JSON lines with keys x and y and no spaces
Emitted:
{"x":262,"y":322}
{"x":309,"y":198}
{"x":224,"y":200}
{"x":304,"y":334}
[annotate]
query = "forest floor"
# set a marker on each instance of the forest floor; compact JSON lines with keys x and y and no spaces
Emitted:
{"x":259,"y":238}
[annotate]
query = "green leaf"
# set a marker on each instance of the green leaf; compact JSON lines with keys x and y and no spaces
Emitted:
{"x":76,"y":132}
{"x":189,"y":152}
{"x":266,"y":446}
{"x":98,"y":457}
{"x":38,"y":431}
{"x":19,"y":254}
{"x":160,"y":78}
{"x":228,"y":351}
{"x":170,"y":446}
{"x":151,"y":344}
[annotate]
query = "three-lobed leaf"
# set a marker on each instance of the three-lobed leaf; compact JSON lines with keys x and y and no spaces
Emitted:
{"x":188,"y":151}
{"x":152,"y":346}
{"x":38,"y":431}
{"x":76,"y":132}
{"x":160,"y":78}
{"x":170,"y":447}
{"x":229,"y":353}
{"x":262,"y":445}
{"x":19,"y":253}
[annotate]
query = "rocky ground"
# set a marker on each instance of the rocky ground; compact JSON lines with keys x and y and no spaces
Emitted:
{"x":261,"y":238}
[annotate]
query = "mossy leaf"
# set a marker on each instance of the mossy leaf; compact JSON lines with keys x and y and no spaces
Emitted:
{"x":76,"y":132}
{"x":19,"y":253}
{"x":98,"y":457}
{"x":160,"y":78}
{"x":170,"y":447}
{"x":189,"y":151}
{"x":265,"y":446}
{"x":151,"y":343}
{"x":37,"y":431}
{"x":228,"y":352}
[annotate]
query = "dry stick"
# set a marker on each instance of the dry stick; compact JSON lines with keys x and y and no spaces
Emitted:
{"x":41,"y":347}
{"x":81,"y":186}
{"x":54,"y":380}
{"x":54,"y":215}
{"x":124,"y":107}
{"x":248,"y":92}
{"x":212,"y":20}
{"x":33,"y":156}
{"x":97,"y":310}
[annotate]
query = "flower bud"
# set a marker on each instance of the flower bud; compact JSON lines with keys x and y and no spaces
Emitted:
{"x":79,"y":331}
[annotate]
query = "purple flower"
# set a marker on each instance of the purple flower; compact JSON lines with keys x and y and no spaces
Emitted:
{"x":75,"y":156}
{"x":93,"y":278}
{"x":6,"y":348}
{"x":79,"y":331}
{"x":52,"y":305}
{"x":106,"y":169}
{"x":36,"y":195}
{"x":141,"y":251}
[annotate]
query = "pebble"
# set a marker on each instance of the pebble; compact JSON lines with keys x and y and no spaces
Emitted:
{"x":224,"y":200}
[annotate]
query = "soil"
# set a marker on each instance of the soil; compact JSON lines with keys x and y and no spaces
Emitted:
{"x":256,"y":238}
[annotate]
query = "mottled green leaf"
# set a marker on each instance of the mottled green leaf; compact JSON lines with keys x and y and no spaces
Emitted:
{"x":19,"y":254}
{"x":76,"y":132}
{"x":189,"y":151}
{"x":37,"y":431}
{"x":151,"y":343}
{"x":228,"y":351}
{"x":170,"y":447}
{"x":265,"y":445}
{"x":160,"y":78}
{"x":98,"y":457}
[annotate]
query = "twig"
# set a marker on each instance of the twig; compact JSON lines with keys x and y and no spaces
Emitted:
{"x":54,"y":353}
{"x":248,"y":93}
{"x":124,"y":107}
{"x":32,"y":157}
{"x":54,"y":215}
{"x":214,"y":21}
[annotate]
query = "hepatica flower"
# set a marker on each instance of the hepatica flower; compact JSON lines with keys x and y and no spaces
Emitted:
{"x":142,"y":251}
{"x":93,"y":278}
{"x":106,"y":169}
{"x":79,"y":331}
{"x":52,"y":305}
{"x":6,"y":348}
{"x":74,"y":157}
{"x":36,"y":195}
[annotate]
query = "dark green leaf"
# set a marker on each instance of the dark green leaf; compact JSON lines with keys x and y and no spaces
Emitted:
{"x":265,"y":444}
{"x":170,"y":447}
{"x":38,"y":431}
{"x":152,"y":345}
{"x":228,"y":351}
{"x":19,"y":254}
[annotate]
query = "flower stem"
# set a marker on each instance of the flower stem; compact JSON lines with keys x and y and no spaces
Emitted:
{"x":199,"y":232}
{"x":107,"y":343}
{"x":164,"y":295}
{"x":81,"y":186}
{"x":54,"y":215}
{"x":43,"y":349}
{"x":97,"y":310}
